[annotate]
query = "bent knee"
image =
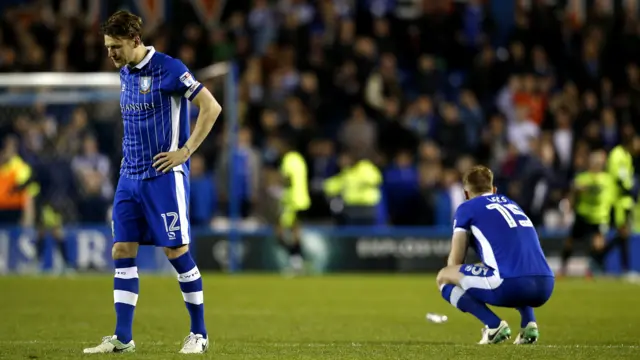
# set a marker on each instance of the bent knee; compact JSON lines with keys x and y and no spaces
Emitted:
{"x":449,"y":275}
{"x":122,"y":250}
{"x":442,"y":278}
{"x":173,"y":253}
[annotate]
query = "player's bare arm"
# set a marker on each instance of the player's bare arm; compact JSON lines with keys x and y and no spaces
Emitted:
{"x":459,"y":244}
{"x":451,"y":274}
{"x":210,"y":109}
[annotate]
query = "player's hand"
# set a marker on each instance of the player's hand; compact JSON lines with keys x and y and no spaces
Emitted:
{"x":166,"y":161}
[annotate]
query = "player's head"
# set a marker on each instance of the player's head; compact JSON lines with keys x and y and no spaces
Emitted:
{"x":597,"y":160}
{"x":122,"y":38}
{"x":477,"y":181}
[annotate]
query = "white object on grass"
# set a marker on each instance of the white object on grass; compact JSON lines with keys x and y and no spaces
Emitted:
{"x":436,"y":318}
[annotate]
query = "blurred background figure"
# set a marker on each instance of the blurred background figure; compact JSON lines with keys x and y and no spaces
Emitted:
{"x":16,"y":203}
{"x":355,"y":191}
{"x":592,"y":195}
{"x":294,"y":198}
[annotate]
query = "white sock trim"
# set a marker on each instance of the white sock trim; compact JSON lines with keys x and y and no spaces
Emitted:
{"x":195,"y":298}
{"x":127,"y":273}
{"x":189,"y":276}
{"x":456,"y":294}
{"x":125,"y":297}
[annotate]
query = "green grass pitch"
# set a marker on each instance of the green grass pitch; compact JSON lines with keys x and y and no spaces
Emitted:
{"x":330,"y":317}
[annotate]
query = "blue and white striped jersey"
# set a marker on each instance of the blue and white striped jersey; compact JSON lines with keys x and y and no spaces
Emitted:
{"x":153,"y":103}
{"x":503,"y":236}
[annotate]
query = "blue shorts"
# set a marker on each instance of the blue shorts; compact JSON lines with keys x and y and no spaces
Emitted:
{"x":485,"y":285}
{"x":152,"y":211}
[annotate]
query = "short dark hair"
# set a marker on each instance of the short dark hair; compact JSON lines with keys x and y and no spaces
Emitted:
{"x":479,"y":179}
{"x":122,"y":24}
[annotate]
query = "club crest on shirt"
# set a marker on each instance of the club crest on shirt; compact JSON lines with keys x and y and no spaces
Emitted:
{"x":145,"y":84}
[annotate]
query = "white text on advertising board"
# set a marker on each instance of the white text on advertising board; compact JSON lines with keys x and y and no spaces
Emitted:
{"x":401,"y":247}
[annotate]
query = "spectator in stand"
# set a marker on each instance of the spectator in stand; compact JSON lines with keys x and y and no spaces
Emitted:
{"x":203,"y":194}
{"x":400,"y":188}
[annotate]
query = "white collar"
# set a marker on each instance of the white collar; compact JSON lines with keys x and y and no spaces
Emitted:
{"x":147,"y":58}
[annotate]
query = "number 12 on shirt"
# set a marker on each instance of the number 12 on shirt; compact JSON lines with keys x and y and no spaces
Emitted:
{"x":508,"y":211}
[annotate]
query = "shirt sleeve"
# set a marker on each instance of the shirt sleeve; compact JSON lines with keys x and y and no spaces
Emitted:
{"x":462,"y":219}
{"x":180,"y":80}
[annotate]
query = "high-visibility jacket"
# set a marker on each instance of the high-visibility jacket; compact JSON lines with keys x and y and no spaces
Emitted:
{"x":359,"y":185}
{"x":14,"y":174}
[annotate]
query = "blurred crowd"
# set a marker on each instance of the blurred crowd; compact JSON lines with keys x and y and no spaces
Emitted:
{"x":424,"y":89}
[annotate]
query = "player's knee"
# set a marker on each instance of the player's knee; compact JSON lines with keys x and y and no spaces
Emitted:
{"x":442,"y":278}
{"x":124,"y":250}
{"x":173,"y":253}
{"x":449,"y":275}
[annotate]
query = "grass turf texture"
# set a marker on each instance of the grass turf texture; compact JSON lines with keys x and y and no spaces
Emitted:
{"x":332,"y":317}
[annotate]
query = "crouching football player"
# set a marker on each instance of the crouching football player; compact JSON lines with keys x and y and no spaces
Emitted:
{"x":514,"y":272}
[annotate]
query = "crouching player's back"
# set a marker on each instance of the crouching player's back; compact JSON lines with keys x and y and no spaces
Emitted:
{"x":514,"y":272}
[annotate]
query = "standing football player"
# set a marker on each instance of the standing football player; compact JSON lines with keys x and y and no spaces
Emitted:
{"x":621,"y":169}
{"x":295,"y":198}
{"x":591,"y":198}
{"x":514,"y":272}
{"x":151,"y":199}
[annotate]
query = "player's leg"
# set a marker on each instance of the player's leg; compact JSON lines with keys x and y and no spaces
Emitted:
{"x":40,"y":245}
{"x":190,"y":282}
{"x":452,"y":281}
{"x":532,"y":292}
{"x":125,"y":297}
{"x":59,"y":241}
{"x":50,"y":222}
{"x":597,"y":247}
{"x":127,"y":226}
{"x":288,"y":223}
{"x":168,"y":220}
{"x":577,"y":233}
{"x":624,"y":233}
{"x":58,"y":237}
{"x":567,"y":251}
{"x":125,"y":288}
{"x":529,"y":333}
{"x":625,"y":224}
{"x":622,"y":221}
{"x":523,"y":294}
{"x":296,"y":258}
{"x":40,"y":231}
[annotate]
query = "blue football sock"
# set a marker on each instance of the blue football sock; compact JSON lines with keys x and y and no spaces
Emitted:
{"x":465,"y":303}
{"x":191,"y":286}
{"x":526,"y":316}
{"x":125,"y":296}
